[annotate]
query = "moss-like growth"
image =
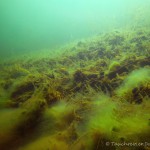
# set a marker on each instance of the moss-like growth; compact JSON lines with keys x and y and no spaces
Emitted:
{"x":80,"y":98}
{"x":134,"y":84}
{"x":22,"y":93}
{"x":114,"y":66}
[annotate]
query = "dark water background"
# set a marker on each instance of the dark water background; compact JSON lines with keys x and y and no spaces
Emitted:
{"x":31,"y":25}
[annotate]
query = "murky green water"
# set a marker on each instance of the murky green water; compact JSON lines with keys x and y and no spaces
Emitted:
{"x":74,"y":75}
{"x":30,"y":25}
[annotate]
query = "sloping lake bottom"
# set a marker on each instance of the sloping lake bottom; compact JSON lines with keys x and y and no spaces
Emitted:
{"x":94,"y":95}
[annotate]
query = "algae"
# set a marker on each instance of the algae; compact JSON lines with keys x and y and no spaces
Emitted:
{"x":95,"y":91}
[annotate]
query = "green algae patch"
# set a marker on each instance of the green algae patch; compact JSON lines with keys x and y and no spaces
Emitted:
{"x":102,"y":116}
{"x":46,"y":143}
{"x":136,"y":86}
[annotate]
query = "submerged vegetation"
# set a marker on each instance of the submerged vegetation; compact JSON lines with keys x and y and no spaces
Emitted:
{"x":93,"y":94}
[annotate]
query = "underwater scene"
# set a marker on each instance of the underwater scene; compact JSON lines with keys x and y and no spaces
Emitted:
{"x":75,"y":75}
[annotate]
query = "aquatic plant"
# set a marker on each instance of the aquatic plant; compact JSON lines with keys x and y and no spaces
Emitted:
{"x":136,"y":80}
{"x":114,"y":66}
{"x":81,"y":99}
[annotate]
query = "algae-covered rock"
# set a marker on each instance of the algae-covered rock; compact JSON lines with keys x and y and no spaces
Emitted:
{"x":135,"y":86}
{"x":24,"y":121}
{"x":114,"y":66}
{"x":79,"y":76}
{"x":22,"y":93}
{"x":30,"y":116}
